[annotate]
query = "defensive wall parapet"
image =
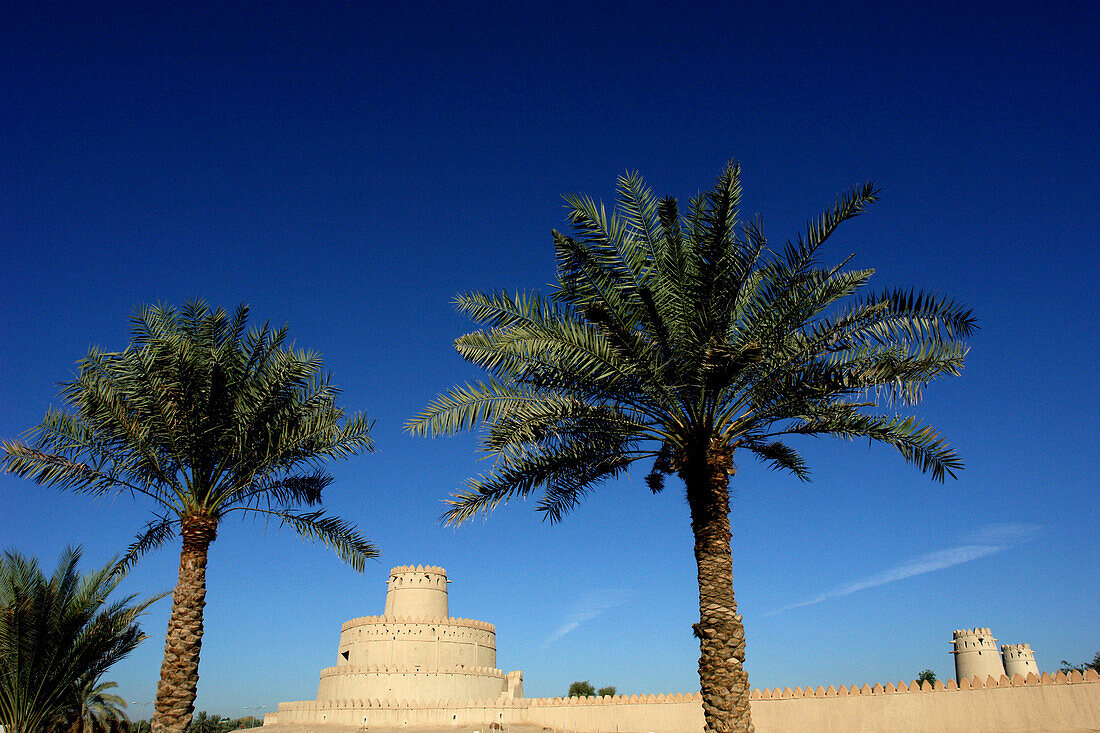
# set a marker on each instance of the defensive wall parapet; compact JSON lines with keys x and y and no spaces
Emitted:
{"x":1036,"y":703}
{"x":430,"y":569}
{"x":384,"y":669}
{"x":469,"y":623}
{"x":431,"y":683}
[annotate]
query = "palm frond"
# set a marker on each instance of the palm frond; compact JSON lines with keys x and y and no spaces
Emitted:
{"x":781,"y":457}
{"x":155,"y":534}
{"x":335,"y":533}
{"x":918,"y":444}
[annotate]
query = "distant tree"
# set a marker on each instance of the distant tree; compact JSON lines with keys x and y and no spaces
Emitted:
{"x":141,"y":726}
{"x":608,"y":691}
{"x":201,"y":418}
{"x":582,"y":689}
{"x":1094,"y":664}
{"x":928,"y":676}
{"x":203,"y":722}
{"x":58,"y":635}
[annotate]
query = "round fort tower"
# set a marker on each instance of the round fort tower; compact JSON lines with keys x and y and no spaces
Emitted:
{"x":976,"y":655}
{"x":417,"y":592}
{"x":415,"y":651}
{"x":1019,"y":659}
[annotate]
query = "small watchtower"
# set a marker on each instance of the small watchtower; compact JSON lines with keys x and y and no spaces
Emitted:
{"x":1019,"y":659}
{"x":976,"y":654}
{"x":418,"y":592}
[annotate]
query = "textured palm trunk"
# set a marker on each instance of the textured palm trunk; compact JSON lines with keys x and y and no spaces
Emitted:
{"x":722,"y":677}
{"x":179,"y":672}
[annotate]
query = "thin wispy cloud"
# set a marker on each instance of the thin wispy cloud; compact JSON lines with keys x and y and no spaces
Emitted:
{"x":587,"y":607}
{"x":982,"y":543}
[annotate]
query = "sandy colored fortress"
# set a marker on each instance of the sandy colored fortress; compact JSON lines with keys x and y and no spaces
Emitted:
{"x":416,"y":651}
{"x":415,"y":665}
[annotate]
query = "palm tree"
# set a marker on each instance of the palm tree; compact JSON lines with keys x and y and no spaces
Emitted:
{"x":56,"y":635}
{"x":204,"y":722}
{"x":202,"y":420}
{"x":99,"y":711}
{"x":682,"y":340}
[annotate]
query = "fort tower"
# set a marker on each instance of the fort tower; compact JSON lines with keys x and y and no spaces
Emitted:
{"x":417,"y":592}
{"x":415,"y":651}
{"x":976,"y":654}
{"x":1019,"y":659}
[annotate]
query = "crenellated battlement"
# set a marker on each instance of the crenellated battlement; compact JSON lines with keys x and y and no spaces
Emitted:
{"x":977,"y":631}
{"x":347,"y":669}
{"x":1017,"y":651}
{"x":974,"y":638}
{"x":451,"y":621}
{"x":433,"y":569}
{"x":786,"y":693}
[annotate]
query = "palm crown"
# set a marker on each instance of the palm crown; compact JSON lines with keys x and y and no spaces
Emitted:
{"x":204,"y":419}
{"x":674,"y":338}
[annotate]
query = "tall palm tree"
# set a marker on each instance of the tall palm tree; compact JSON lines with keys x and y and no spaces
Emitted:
{"x":682,"y":340}
{"x":201,"y":419}
{"x":56,"y":634}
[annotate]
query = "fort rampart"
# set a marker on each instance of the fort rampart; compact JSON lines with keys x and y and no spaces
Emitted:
{"x":1035,"y":704}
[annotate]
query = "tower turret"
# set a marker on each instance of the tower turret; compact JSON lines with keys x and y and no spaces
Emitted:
{"x":976,"y":654}
{"x":417,"y":592}
{"x":1019,"y":659}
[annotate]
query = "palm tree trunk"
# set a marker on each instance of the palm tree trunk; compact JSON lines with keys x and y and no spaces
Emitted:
{"x":179,"y":672}
{"x":722,"y":677}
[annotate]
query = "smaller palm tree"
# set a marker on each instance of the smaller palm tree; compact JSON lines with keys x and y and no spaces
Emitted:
{"x":58,"y":635}
{"x":100,"y":711}
{"x":204,"y":722}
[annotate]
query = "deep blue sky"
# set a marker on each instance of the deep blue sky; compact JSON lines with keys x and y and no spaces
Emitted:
{"x":347,"y":169}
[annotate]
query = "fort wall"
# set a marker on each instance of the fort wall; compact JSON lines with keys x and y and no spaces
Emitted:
{"x":1035,"y":704}
{"x":429,"y":683}
{"x":415,"y":642}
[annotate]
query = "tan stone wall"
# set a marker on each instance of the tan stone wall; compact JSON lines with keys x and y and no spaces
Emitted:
{"x":1033,"y":705}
